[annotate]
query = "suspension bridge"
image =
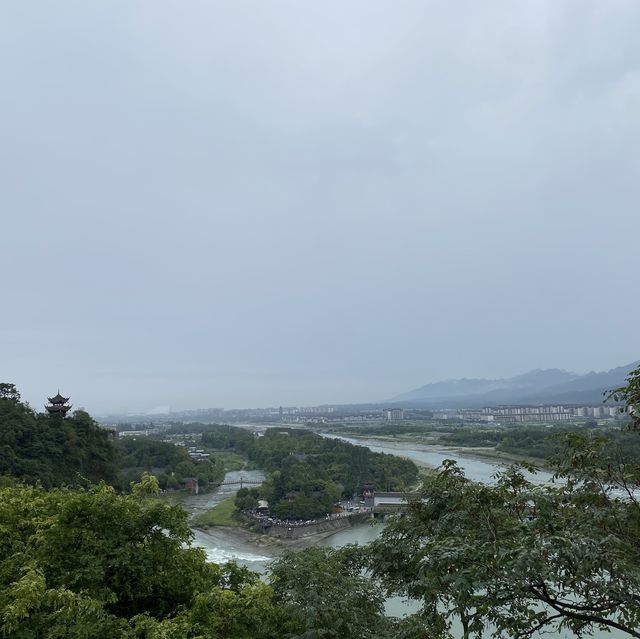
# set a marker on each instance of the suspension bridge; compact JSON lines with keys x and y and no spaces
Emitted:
{"x":242,"y":482}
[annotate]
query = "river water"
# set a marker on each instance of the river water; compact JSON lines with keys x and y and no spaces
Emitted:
{"x":476,"y":469}
{"x":222,"y":545}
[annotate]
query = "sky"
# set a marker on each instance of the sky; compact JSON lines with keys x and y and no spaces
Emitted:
{"x":249,"y":203}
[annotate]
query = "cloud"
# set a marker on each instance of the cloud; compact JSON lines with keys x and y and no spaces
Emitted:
{"x":243,"y":203}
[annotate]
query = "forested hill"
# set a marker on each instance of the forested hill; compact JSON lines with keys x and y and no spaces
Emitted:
{"x":52,"y":450}
{"x":74,"y":451}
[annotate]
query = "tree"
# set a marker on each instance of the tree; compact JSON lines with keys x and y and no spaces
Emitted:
{"x":325,"y":592}
{"x":89,"y":563}
{"x":515,"y":557}
{"x":10,"y":392}
{"x":44,"y":448}
{"x":247,"y":499}
{"x":630,"y":395}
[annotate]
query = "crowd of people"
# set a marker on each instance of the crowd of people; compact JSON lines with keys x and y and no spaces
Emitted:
{"x":266,"y":521}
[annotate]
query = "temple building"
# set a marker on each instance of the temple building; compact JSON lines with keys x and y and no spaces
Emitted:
{"x":58,"y":405}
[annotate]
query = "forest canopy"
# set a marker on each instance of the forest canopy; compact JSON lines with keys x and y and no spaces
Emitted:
{"x":50,"y":449}
{"x":54,"y":450}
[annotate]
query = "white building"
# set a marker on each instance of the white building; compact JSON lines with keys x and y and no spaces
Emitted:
{"x":393,"y":414}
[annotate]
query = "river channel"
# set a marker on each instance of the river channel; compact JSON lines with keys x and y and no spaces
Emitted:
{"x":222,"y":545}
{"x":476,"y":469}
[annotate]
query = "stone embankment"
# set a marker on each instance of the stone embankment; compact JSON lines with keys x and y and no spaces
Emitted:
{"x":298,"y":530}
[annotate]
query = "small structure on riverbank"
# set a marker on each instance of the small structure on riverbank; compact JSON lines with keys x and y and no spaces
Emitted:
{"x":191,"y":484}
{"x":379,"y":500}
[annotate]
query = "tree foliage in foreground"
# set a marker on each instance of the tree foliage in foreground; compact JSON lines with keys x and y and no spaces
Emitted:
{"x":515,"y":558}
{"x":630,"y":395}
{"x":90,"y":563}
{"x":325,"y":591}
{"x":93,"y":564}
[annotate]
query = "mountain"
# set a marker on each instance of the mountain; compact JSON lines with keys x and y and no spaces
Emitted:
{"x":541,"y":386}
{"x":460,"y":388}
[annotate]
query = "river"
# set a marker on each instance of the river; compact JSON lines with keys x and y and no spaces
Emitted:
{"x":223,"y":545}
{"x":474,"y":468}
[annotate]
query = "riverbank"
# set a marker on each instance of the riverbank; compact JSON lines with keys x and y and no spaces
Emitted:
{"x":481,"y":466}
{"x":234,"y":541}
{"x":224,"y":514}
{"x":480,"y":453}
{"x":225,"y":536}
{"x":255,"y":549}
{"x":495,"y":455}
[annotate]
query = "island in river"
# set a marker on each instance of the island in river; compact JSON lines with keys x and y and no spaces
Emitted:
{"x":224,"y":543}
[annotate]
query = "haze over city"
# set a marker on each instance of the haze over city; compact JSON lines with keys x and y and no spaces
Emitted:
{"x":248,"y":204}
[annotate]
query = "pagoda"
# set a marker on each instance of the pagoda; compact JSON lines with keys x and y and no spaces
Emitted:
{"x":58,"y":405}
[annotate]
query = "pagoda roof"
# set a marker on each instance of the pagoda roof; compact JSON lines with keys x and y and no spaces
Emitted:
{"x":58,"y":399}
{"x":58,"y":408}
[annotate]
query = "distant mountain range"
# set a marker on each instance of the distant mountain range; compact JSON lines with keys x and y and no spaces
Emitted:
{"x":548,"y":386}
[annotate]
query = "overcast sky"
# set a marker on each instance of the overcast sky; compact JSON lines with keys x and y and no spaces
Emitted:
{"x":259,"y":203}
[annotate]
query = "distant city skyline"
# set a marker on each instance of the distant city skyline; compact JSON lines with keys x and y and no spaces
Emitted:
{"x":253,"y":204}
{"x":106,"y":408}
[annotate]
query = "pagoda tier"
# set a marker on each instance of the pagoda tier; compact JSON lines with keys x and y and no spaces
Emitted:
{"x":58,"y":405}
{"x":58,"y":399}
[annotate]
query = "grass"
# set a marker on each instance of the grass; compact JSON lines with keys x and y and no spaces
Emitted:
{"x":222,"y":514}
{"x":174,"y":497}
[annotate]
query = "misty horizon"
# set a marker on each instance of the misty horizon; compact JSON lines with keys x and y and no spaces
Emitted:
{"x":163,"y":409}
